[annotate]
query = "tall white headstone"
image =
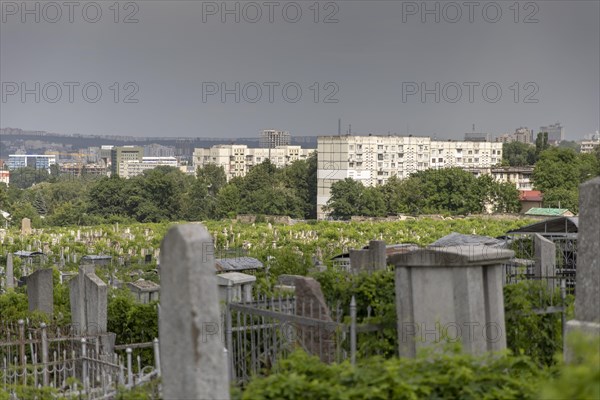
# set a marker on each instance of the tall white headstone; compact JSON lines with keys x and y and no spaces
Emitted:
{"x":193,"y":364}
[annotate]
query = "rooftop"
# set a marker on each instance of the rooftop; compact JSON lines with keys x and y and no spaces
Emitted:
{"x":237,"y":264}
{"x":550,"y":212}
{"x":530,"y":195}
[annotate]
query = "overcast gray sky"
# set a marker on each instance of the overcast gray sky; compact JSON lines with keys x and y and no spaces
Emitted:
{"x":375,"y":61}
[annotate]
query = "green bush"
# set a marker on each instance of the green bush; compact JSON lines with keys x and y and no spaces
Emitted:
{"x":445,"y":374}
{"x":536,"y":335}
{"x":581,"y":378}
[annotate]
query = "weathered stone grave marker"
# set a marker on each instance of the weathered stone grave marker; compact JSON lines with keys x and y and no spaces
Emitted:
{"x":10,"y":277}
{"x":26,"y":226}
{"x":89,"y":300}
{"x":587,"y":295}
{"x":40,"y":291}
{"x":193,"y":362}
{"x":452,"y":293}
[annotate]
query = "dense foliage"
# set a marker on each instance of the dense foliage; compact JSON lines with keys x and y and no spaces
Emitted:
{"x":558,"y":174}
{"x":443,"y":191}
{"x":433,"y":375}
{"x":161,"y":194}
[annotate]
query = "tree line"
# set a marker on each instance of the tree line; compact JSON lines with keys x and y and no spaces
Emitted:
{"x":167,"y":194}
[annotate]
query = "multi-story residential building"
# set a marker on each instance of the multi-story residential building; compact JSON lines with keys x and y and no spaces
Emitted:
{"x":271,"y":138}
{"x":37,"y":161}
{"x":129,"y":169}
{"x":5,"y":177}
{"x":556,"y":133}
{"x":589,"y":145}
{"x":372,"y":160}
{"x":520,"y":176}
{"x":522,"y":135}
{"x":119,"y":156}
{"x":237,"y":160}
{"x":78,"y":169}
{"x":478,"y":137}
{"x":158,"y":150}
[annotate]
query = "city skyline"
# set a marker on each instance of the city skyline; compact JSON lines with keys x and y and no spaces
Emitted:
{"x":387,"y":70}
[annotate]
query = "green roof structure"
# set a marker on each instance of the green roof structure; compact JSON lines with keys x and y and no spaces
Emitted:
{"x":550,"y":212}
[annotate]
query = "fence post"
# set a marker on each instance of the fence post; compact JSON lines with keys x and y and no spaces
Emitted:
{"x":353,"y":331}
{"x":563,"y":315}
{"x":84,"y":364}
{"x":157,"y":356}
{"x":22,"y":341}
{"x":44,"y":353}
{"x":129,"y":371}
{"x":228,"y":332}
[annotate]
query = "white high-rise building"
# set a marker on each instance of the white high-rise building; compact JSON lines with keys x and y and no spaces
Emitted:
{"x":372,"y":160}
{"x":237,"y":160}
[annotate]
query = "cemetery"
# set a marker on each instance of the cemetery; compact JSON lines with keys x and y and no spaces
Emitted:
{"x":421,"y":308}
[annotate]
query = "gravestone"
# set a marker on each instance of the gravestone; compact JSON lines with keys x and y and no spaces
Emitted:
{"x":545,"y":259}
{"x":89,"y":301}
{"x":25,"y":226}
{"x":192,"y":360}
{"x":40,"y":291}
{"x":10,"y":278}
{"x":451,"y":293}
{"x":310,"y":302}
{"x":372,"y":259}
{"x":587,"y":289}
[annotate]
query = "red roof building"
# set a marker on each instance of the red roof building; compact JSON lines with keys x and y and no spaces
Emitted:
{"x":530,"y":199}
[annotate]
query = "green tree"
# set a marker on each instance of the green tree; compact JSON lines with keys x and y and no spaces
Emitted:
{"x":518,"y":154}
{"x":4,"y":201}
{"x":450,"y":190}
{"x":25,"y":177}
{"x":570,"y":144}
{"x":108,"y":197}
{"x":503,"y":196}
{"x":40,"y":203}
{"x":541,"y":143}
{"x":557,"y":168}
{"x":228,"y":201}
{"x":589,"y":167}
{"x":372,"y":203}
{"x":345,"y":199}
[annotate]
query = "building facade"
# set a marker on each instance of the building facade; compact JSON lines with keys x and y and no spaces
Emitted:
{"x":271,"y":138}
{"x":519,"y":176}
{"x":478,"y":137}
{"x":133,"y":168}
{"x":4,"y":177}
{"x":237,"y":160}
{"x":589,"y":145}
{"x":119,"y":156}
{"x":37,"y":161}
{"x":522,"y":135}
{"x":372,"y":160}
{"x":556,"y":133}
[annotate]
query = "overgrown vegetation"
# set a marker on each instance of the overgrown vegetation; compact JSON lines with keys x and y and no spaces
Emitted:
{"x":446,"y":374}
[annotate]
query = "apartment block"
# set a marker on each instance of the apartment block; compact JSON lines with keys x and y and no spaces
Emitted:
{"x":372,"y":160}
{"x":120,"y":156}
{"x":4,"y":177}
{"x":556,"y":133}
{"x":133,"y":168}
{"x":37,"y":161}
{"x":271,"y":138}
{"x":521,"y":177}
{"x":237,"y":160}
{"x":590,"y":143}
{"x":522,"y":135}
